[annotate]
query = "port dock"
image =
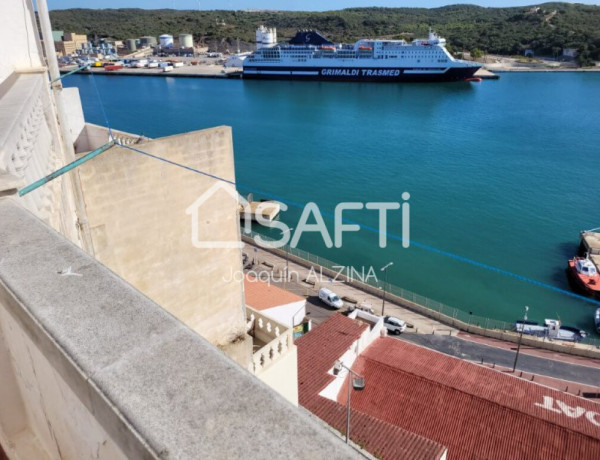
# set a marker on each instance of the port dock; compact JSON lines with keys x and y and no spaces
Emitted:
{"x":211,"y":70}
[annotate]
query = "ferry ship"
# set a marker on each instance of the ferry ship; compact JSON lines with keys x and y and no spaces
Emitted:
{"x":311,"y":56}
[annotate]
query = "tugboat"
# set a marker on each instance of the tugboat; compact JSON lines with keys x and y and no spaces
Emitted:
{"x":584,"y":273}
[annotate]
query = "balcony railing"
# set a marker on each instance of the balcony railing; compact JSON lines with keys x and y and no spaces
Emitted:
{"x":277,"y":338}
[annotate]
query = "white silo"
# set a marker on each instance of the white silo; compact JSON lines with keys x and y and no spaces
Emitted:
{"x":186,"y":41}
{"x":166,"y":41}
{"x":265,"y":38}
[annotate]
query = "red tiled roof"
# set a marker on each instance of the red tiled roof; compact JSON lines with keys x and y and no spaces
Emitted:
{"x":262,"y":296}
{"x":475,"y":411}
{"x":317,"y":353}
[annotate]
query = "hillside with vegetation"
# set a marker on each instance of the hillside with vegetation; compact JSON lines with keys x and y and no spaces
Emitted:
{"x":546,"y":28}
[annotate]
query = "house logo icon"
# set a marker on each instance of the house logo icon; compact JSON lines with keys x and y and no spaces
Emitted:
{"x":196,"y":207}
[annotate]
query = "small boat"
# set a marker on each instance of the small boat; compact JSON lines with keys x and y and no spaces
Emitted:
{"x":584,"y":273}
{"x":597,"y":320}
{"x":474,"y":79}
{"x":552,"y":329}
{"x":328,"y":48}
{"x":365,"y":48}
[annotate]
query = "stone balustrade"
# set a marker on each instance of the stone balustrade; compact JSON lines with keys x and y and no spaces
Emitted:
{"x":278,"y":339}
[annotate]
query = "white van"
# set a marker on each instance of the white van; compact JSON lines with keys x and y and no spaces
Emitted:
{"x":330,"y":298}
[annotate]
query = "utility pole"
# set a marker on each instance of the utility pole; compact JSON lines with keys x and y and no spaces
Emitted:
{"x":384,"y":269}
{"x":520,"y":338}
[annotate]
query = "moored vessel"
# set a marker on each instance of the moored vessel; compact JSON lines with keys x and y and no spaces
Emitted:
{"x":311,"y":56}
{"x":585,"y":275}
{"x":583,"y":269}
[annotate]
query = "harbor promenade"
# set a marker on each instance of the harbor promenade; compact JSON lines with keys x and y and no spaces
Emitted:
{"x":563,"y":371}
{"x":422,"y":315}
{"x":306,"y":282}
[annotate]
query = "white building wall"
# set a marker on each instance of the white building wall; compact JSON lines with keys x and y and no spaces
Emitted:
{"x":31,"y":144}
{"x":289,"y":315}
{"x":282,"y":376}
{"x":19,"y":49}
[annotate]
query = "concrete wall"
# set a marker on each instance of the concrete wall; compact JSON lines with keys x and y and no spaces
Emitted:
{"x":41,"y":417}
{"x":136,"y":207}
{"x":92,"y":368}
{"x":282,"y":376}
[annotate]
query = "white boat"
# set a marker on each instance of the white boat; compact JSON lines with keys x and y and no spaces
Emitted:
{"x":552,"y":329}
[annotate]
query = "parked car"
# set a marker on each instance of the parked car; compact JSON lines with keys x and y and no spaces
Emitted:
{"x":330,"y":298}
{"x":394,"y":325}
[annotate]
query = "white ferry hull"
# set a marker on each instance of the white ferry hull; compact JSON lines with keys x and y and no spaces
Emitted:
{"x":359,"y":74}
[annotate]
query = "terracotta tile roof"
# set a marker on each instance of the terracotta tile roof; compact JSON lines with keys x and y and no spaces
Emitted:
{"x":262,"y":296}
{"x":317,"y":353}
{"x":476,"y":412}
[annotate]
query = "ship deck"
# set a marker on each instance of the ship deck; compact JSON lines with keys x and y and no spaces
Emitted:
{"x":592,"y":242}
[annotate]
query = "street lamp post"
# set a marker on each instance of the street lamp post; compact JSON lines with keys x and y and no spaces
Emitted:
{"x":384,"y":269}
{"x":358,"y":383}
{"x":283,"y":232}
{"x":520,"y":337}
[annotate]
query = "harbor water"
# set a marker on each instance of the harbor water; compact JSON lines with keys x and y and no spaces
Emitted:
{"x":502,"y":175}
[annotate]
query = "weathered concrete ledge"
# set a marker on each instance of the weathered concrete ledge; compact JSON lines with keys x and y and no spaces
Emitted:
{"x":157,"y":388}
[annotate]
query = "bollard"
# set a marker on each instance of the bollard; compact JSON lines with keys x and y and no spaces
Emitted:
{"x":567,"y":389}
{"x":532,"y":377}
{"x":521,"y":374}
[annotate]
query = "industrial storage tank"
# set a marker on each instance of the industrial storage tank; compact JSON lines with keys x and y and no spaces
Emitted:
{"x":186,"y":41}
{"x":148,"y":41}
{"x":166,"y":41}
{"x":130,"y":43}
{"x":265,"y":38}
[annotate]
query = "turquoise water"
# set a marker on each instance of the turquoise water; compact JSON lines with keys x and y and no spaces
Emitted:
{"x":503,"y":172}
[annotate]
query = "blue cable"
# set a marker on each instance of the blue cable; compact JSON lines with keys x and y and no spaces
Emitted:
{"x":110,"y":133}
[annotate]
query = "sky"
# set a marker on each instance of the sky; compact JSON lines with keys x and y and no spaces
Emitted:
{"x":298,"y":5}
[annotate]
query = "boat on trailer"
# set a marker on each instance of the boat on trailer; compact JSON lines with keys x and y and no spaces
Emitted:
{"x":551,"y":329}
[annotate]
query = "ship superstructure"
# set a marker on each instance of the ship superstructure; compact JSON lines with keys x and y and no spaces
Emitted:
{"x":311,"y":56}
